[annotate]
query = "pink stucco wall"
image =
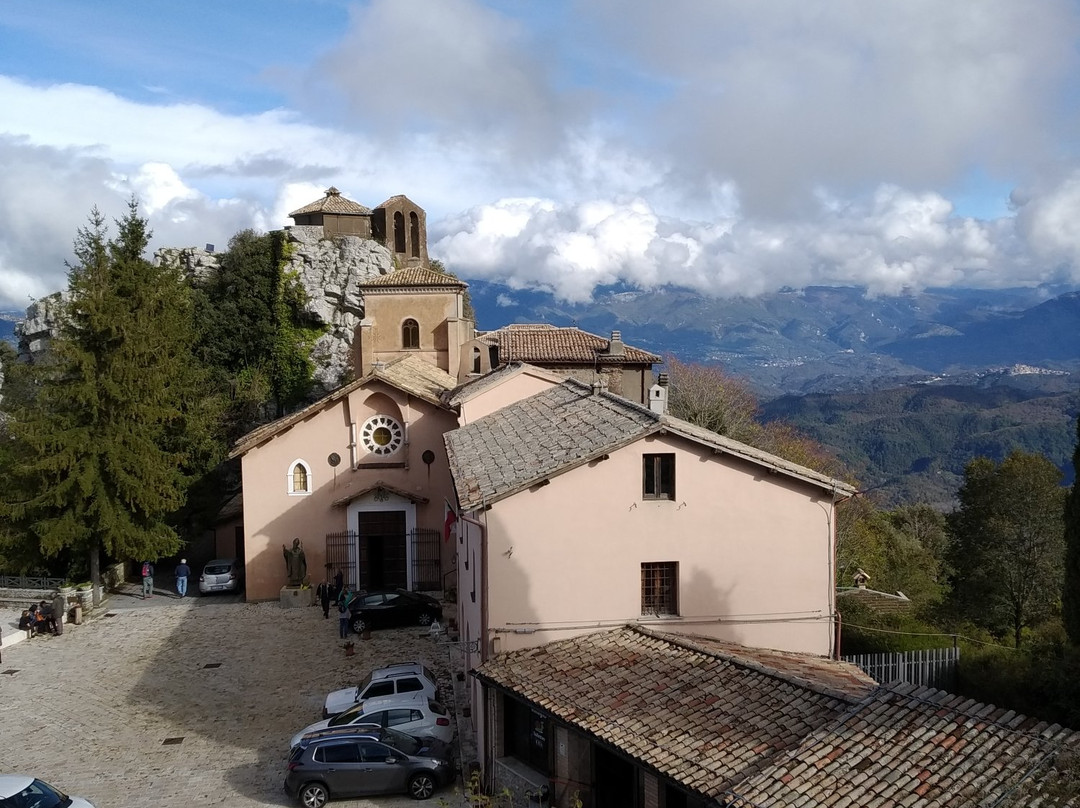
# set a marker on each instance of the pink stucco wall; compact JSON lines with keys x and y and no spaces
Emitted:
{"x":754,"y":552}
{"x":515,"y":388}
{"x":273,"y":516}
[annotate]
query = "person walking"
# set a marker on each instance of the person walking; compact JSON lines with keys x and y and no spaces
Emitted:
{"x":59,"y":607}
{"x":182,"y":572}
{"x":343,"y":621}
{"x":323,"y":594}
{"x":147,"y":580}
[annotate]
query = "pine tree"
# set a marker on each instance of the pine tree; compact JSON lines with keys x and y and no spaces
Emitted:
{"x":117,"y":422}
{"x":1070,"y":600}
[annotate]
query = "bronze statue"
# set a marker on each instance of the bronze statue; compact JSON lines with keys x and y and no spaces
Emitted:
{"x":295,"y":562}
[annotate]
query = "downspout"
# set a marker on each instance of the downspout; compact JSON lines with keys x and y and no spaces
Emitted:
{"x":833,"y":608}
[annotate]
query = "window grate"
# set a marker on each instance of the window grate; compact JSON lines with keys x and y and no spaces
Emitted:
{"x":659,"y":588}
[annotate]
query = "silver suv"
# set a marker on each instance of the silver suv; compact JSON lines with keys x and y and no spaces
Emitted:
{"x":393,"y":680}
{"x":342,"y":762}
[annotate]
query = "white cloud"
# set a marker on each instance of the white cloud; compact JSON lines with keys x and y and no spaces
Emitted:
{"x":729,"y":147}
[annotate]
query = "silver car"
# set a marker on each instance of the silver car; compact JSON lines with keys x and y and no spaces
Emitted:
{"x":21,"y":790}
{"x":222,"y":575}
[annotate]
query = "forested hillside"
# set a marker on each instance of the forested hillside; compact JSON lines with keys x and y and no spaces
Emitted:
{"x":910,"y":444}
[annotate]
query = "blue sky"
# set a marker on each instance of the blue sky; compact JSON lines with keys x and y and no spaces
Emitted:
{"x":725,"y":146}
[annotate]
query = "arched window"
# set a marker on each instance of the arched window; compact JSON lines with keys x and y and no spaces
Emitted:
{"x":399,"y":232}
{"x":476,"y":360}
{"x":410,"y":334}
{"x":414,"y":234}
{"x":299,"y":478}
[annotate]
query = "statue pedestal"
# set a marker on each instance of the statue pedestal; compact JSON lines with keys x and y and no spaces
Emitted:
{"x":292,"y":596}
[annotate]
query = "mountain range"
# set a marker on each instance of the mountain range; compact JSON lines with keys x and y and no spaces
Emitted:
{"x":905,"y":390}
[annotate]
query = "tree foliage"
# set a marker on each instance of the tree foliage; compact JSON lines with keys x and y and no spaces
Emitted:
{"x":706,"y":396}
{"x":254,"y":333}
{"x":1006,"y":543}
{"x":1070,"y":601}
{"x":108,"y":431}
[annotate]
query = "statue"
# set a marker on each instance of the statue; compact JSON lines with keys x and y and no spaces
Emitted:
{"x":295,"y":563}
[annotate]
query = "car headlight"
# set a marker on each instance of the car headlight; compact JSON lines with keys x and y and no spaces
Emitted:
{"x":437,"y":763}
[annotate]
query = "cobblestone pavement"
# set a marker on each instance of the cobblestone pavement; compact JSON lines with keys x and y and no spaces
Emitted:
{"x":178,"y":703}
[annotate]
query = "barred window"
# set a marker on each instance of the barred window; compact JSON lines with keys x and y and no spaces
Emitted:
{"x":660,"y":587}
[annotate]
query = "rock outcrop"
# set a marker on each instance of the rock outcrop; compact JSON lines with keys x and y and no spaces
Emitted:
{"x":330,"y":271}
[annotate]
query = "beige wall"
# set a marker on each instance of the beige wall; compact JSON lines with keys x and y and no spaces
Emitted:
{"x":442,"y":329}
{"x":273,"y":516}
{"x":754,"y":553}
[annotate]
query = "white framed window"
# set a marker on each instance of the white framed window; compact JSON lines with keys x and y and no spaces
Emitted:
{"x":299,"y":479}
{"x":382,"y":435}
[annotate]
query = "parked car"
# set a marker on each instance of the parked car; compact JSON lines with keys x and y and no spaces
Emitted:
{"x":393,"y":607}
{"x":341,"y":762}
{"x":415,"y":714}
{"x":23,"y":791}
{"x":222,"y":575}
{"x":404,"y":677}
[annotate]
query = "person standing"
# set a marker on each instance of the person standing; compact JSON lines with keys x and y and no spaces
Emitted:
{"x":147,"y":580}
{"x":343,"y":621}
{"x":339,"y":584}
{"x":323,"y":594}
{"x":59,"y":606}
{"x":182,"y":572}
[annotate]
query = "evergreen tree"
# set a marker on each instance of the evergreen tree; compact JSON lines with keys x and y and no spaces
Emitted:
{"x":1006,"y":542}
{"x":1070,"y":601}
{"x":117,"y":422}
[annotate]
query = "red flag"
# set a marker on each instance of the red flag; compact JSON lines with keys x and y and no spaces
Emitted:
{"x":449,"y":518}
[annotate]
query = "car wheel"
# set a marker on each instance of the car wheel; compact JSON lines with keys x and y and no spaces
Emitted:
{"x":421,"y":786}
{"x":425,"y":618}
{"x":358,"y":625}
{"x":314,"y":795}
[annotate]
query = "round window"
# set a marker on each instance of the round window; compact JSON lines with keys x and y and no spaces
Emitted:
{"x":382,"y":435}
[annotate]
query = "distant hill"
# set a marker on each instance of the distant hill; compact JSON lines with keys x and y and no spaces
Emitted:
{"x":911,"y":444}
{"x":7,"y":324}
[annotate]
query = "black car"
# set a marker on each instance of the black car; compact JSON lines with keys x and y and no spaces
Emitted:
{"x":354,"y":762}
{"x":393,"y":607}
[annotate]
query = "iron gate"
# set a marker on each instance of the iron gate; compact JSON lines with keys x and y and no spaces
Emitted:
{"x":341,"y":555}
{"x":426,"y":559}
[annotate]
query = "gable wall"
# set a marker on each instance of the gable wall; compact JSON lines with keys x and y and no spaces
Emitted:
{"x":436,"y":313}
{"x":754,"y":552}
{"x":272,"y":516}
{"x":494,"y":398}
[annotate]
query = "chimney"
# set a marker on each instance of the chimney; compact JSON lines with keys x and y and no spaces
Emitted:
{"x":658,"y":395}
{"x":599,"y":385}
{"x":615,"y":346}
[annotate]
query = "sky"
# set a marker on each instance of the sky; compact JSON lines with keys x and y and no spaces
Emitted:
{"x":725,"y":146}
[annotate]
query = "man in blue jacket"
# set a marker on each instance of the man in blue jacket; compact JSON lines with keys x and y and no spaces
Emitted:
{"x":182,"y":572}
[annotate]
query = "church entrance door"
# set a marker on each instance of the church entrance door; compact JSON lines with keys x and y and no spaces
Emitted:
{"x":383,"y":550}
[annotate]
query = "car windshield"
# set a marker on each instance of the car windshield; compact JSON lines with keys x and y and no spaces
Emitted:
{"x":348,"y":716}
{"x":37,"y":795}
{"x":400,"y":741}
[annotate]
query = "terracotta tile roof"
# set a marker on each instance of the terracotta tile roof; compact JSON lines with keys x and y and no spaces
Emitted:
{"x":878,"y":601}
{"x":565,"y":426}
{"x":689,"y":707}
{"x":413,"y":276}
{"x":409,"y":374}
{"x":541,"y":342}
{"x":752,"y":728}
{"x":914,"y":747}
{"x":413,"y":375}
{"x":333,"y":202}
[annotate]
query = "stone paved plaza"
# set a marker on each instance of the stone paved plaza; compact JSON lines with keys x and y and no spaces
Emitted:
{"x":179,"y":703}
